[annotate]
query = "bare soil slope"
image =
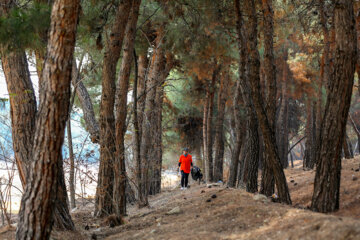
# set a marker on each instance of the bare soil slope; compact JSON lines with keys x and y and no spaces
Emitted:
{"x":222,"y":213}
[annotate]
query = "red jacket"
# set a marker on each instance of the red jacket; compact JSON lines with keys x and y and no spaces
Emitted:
{"x":185,"y":163}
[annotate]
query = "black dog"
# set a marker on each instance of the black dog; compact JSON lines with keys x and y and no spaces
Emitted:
{"x":196,"y":174}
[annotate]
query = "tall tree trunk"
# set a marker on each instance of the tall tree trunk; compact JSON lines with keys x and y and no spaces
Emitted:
{"x":327,"y":179}
{"x":157,"y":64}
{"x":121,"y":111}
{"x":158,"y":140}
{"x":23,"y":115}
{"x":235,"y":155}
{"x":204,"y":132}
{"x":159,"y":99}
{"x":22,"y":109}
{"x":282,"y":122}
{"x":210,"y":93}
{"x":324,"y":66}
{"x":267,"y":179}
{"x":22,"y":102}
{"x":139,"y":87}
{"x":219,"y":134}
{"x":250,"y":157}
{"x":38,"y":202}
{"x":309,"y":161}
{"x":104,"y":202}
{"x":72,"y":164}
{"x":267,"y":130}
{"x":92,"y":125}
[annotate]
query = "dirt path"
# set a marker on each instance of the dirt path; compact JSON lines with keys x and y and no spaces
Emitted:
{"x":233,"y":214}
{"x":222,"y":213}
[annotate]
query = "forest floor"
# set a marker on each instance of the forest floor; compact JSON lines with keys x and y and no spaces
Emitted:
{"x":224,"y":213}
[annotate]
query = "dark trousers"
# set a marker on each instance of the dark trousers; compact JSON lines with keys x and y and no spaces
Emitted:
{"x":184,"y":179}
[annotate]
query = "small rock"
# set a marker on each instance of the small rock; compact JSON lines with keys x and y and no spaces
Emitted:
{"x":260,"y":197}
{"x":159,"y":224}
{"x":153,"y":231}
{"x":174,"y":211}
{"x":213,"y":185}
{"x":158,"y":220}
{"x":209,"y":200}
{"x":354,"y":178}
{"x":213,"y":196}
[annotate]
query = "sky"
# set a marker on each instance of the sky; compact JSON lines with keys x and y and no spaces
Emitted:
{"x":34,"y":78}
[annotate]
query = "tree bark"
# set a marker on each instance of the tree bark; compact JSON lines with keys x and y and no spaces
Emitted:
{"x":326,"y":194}
{"x":210,"y":93}
{"x":92,"y":125}
{"x":219,"y":126}
{"x":204,"y":131}
{"x":251,"y":157}
{"x":121,"y":111}
{"x":159,"y":99}
{"x":282,"y":138}
{"x":22,"y":109}
{"x":104,"y":203}
{"x":267,"y":179}
{"x":38,"y":202}
{"x":62,"y":218}
{"x":157,"y":64}
{"x":235,"y":155}
{"x":309,"y":161}
{"x":139,"y":87}
{"x":324,"y":66}
{"x":267,"y":131}
{"x":22,"y":102}
{"x":72,"y":164}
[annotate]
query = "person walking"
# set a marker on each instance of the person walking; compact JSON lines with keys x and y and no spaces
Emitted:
{"x":185,"y":165}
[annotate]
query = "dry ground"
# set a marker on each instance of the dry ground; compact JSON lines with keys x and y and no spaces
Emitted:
{"x":232,"y":214}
